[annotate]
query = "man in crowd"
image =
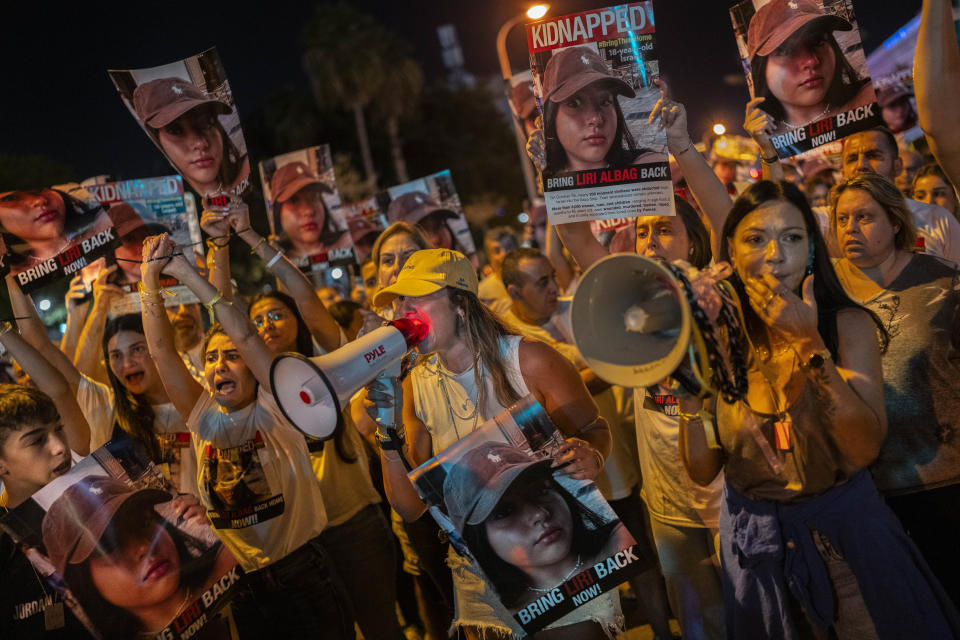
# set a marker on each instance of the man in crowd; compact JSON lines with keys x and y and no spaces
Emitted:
{"x":497,"y":243}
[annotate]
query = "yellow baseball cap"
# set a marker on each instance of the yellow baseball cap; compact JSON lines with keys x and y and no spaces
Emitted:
{"x":427,"y":271}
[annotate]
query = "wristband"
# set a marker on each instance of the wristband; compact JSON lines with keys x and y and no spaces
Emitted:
{"x":275,"y":259}
{"x":680,"y":153}
{"x":253,"y":250}
{"x":389,"y":439}
{"x":212,"y":244}
{"x":771,"y":159}
{"x":244,"y":230}
{"x":214,"y":300}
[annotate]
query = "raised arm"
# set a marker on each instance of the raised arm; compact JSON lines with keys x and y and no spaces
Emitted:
{"x":556,"y":383}
{"x":579,"y":240}
{"x":77,"y":307}
{"x":321,"y":324}
{"x":710,"y":193}
{"x":35,"y":333}
{"x":89,"y":356}
{"x":936,"y":83}
{"x":554,"y":253}
{"x":180,"y":386}
{"x":235,"y":323}
{"x":760,"y":124}
{"x":218,"y":251}
{"x":52,"y":382}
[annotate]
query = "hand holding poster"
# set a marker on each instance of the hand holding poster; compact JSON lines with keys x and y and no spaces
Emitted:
{"x":85,"y":533}
{"x":805,"y":58}
{"x":482,"y":491}
{"x":433,"y":204}
{"x":304,"y":209}
{"x":593,"y":76}
{"x":187,"y":109}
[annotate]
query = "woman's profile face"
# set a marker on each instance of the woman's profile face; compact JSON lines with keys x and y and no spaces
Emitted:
{"x":393,"y":255}
{"x":771,"y":239}
{"x":276,"y":324}
{"x":130,"y":361}
{"x":227,"y":375}
{"x":586,"y":126}
{"x":800,"y":71}
{"x":144,"y":568}
{"x":662,"y":238}
{"x":195,"y":147}
{"x":33,"y":215}
{"x":532,"y":527}
{"x":302,"y":217}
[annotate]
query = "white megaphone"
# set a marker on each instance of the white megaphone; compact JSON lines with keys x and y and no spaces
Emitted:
{"x":311,"y":392}
{"x":631,"y":321}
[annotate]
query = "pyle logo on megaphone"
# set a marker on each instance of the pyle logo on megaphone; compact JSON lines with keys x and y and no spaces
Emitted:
{"x":311,"y":392}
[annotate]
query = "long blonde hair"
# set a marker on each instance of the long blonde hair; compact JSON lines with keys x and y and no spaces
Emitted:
{"x":483,"y":331}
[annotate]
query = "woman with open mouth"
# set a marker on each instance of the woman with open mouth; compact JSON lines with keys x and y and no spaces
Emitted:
{"x":185,"y":124}
{"x":357,"y":536}
{"x":798,"y":66}
{"x":289,"y":588}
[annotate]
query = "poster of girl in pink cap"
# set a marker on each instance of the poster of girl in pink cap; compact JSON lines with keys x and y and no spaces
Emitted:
{"x":548,"y":548}
{"x":129,"y":556}
{"x":304,"y":209}
{"x":806,"y":70}
{"x":593,"y":77}
{"x":187,"y":109}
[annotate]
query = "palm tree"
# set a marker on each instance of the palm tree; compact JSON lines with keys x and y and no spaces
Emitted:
{"x":342,"y":58}
{"x":397,"y":96}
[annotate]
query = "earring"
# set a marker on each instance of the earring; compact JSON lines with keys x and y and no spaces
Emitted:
{"x":810,"y":269}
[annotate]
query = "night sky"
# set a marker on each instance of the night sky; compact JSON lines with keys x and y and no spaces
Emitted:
{"x":58,"y":101}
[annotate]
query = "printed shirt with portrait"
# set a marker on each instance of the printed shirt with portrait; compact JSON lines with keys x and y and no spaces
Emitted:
{"x":256,"y":480}
{"x":177,"y":462}
{"x":920,"y":310}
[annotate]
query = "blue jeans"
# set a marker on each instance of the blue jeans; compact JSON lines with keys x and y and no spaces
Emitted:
{"x":364,"y":557}
{"x":298,"y":596}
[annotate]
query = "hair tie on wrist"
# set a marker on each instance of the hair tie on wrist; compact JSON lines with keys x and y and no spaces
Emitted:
{"x":771,"y":159}
{"x":276,"y":258}
{"x":680,"y":153}
{"x":214,"y":300}
{"x":253,"y":250}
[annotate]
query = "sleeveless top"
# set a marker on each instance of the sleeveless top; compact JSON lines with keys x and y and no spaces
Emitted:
{"x":447,"y":404}
{"x":755,"y":467}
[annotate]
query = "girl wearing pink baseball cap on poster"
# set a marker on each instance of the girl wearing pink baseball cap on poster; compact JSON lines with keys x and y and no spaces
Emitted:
{"x":798,"y":66}
{"x":185,"y":125}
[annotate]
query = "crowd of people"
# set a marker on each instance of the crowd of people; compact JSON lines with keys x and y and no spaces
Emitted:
{"x":821,"y":504}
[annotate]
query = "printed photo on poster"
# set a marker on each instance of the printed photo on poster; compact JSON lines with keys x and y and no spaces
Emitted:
{"x":187,"y":110}
{"x":303,"y":207}
{"x":80,"y":533}
{"x":593,"y":78}
{"x":140,"y":209}
{"x":366,"y":221}
{"x":233,"y":482}
{"x":482,"y":491}
{"x":431,"y":203}
{"x":805,"y":57}
{"x":49,"y":234}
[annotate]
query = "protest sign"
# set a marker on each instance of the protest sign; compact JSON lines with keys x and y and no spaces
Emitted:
{"x":593,"y":77}
{"x":432,"y":203}
{"x":78,"y":532}
{"x":303,"y":207}
{"x":187,"y":109}
{"x":140,"y":209}
{"x":366,"y":221}
{"x":812,"y":103}
{"x":480,"y":491}
{"x":49,"y":234}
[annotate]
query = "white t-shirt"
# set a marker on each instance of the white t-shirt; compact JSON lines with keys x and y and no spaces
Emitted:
{"x":177,"y":462}
{"x":256,"y":480}
{"x":938,"y":228}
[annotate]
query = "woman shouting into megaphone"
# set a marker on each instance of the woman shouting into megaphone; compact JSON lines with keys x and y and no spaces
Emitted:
{"x":475,"y":368}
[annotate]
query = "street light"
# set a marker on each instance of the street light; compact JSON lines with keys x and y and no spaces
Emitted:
{"x":533,"y":13}
{"x":719,"y":129}
{"x":537,"y":11}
